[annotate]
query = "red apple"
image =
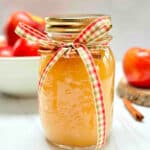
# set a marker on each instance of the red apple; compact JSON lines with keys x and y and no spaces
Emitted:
{"x":136,"y":66}
{"x":23,"y":47}
{"x":25,"y":17}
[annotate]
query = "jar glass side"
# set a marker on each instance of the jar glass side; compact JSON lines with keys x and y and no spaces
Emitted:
{"x":66,"y":102}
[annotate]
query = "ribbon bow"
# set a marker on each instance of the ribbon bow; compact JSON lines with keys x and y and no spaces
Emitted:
{"x":97,"y":30}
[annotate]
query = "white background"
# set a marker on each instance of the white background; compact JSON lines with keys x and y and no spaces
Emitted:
{"x":131,"y":18}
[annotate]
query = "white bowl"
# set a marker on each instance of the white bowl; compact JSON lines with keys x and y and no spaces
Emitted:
{"x":19,"y":76}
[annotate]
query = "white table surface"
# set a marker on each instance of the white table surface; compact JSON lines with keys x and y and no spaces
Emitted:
{"x":20,"y":127}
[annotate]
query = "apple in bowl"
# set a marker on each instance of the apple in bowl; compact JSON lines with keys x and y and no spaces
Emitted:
{"x":19,"y":58}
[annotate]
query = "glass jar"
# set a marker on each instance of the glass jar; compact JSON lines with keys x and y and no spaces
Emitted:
{"x":66,"y":106}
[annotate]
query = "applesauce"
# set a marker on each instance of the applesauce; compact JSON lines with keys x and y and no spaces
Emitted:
{"x":66,"y":102}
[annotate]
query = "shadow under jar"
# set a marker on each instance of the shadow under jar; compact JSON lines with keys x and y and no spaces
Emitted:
{"x":66,"y":101}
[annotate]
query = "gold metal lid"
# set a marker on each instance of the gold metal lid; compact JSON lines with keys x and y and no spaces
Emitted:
{"x":69,"y":24}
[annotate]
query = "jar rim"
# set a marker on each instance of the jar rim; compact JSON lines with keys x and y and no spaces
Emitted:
{"x":73,"y":23}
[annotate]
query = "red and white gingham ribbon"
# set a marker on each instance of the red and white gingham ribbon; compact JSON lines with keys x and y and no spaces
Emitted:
{"x":94,"y":31}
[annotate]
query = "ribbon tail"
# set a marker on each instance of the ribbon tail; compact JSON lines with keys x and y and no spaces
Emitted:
{"x":97,"y":93}
{"x":50,"y":64}
{"x":31,"y":34}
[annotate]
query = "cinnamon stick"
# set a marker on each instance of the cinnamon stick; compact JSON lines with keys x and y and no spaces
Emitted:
{"x":134,"y":112}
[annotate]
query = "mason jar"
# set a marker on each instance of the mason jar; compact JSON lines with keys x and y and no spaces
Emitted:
{"x":66,"y":102}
